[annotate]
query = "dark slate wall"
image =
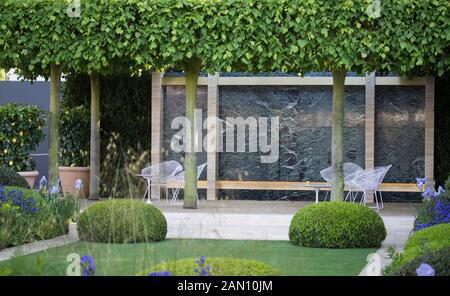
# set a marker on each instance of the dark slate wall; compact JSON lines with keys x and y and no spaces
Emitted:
{"x":400,"y":134}
{"x":38,"y":94}
{"x":305,"y":134}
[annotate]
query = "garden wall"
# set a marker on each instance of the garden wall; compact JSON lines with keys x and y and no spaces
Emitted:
{"x":305,"y":133}
{"x":36,"y":93}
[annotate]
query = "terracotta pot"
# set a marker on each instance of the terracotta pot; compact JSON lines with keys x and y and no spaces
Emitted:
{"x":68,"y":176}
{"x":30,"y":177}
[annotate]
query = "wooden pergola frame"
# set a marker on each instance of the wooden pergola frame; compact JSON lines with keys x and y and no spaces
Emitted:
{"x":212,"y":184}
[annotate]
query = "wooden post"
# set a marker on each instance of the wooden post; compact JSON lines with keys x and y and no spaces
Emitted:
{"x":369,"y":149}
{"x":429,"y":129}
{"x":213,"y":134}
{"x":157,"y":127}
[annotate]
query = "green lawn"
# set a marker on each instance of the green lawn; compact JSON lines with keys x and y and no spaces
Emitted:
{"x":129,"y":259}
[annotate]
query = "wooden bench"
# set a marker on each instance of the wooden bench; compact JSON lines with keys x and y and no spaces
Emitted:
{"x":281,"y":185}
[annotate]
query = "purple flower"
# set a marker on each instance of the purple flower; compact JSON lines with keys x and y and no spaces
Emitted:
{"x":160,"y":273}
{"x":425,"y":270}
{"x":78,"y":185}
{"x":88,"y":266}
{"x":438,"y":192}
{"x":426,"y":193}
{"x":202,"y":270}
{"x":421,"y":183}
{"x":43,"y":183}
{"x":55,"y":189}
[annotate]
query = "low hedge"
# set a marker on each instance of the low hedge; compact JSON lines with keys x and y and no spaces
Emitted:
{"x":439,"y":260}
{"x":430,"y":239}
{"x":9,"y":177}
{"x":122,"y":221}
{"x":218,"y":267}
{"x":439,"y":234}
{"x":337,"y":225}
{"x":26,"y":216}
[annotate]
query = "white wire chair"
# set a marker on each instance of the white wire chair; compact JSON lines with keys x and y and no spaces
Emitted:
{"x":386,"y":169}
{"x":350,"y":169}
{"x":159,"y":174}
{"x":368,"y":182}
{"x":180,"y":181}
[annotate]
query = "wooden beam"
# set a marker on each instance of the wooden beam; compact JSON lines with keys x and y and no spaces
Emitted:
{"x":399,"y":81}
{"x":429,"y":129}
{"x":212,"y":136}
{"x":370,"y":122}
{"x":296,"y":81}
{"x":296,"y":186}
{"x":157,"y":127}
{"x":369,"y":147}
{"x":182,"y":81}
{"x":287,"y":81}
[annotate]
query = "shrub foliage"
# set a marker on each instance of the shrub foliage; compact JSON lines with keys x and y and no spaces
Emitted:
{"x":439,"y":260}
{"x":337,"y":225}
{"x":26,"y":216}
{"x":74,"y":136}
{"x":20,"y":133}
{"x":436,"y":233}
{"x":122,"y":221}
{"x":8,"y":177}
{"x":218,"y":267}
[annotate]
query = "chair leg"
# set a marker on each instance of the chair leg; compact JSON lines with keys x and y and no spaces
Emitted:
{"x":363,"y":199}
{"x":175,"y":194}
{"x":348,"y":194}
{"x":381,"y":199}
{"x":376,"y":201}
{"x":147,"y":192}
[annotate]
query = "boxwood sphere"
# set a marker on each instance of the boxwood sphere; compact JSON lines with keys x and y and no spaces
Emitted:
{"x":122,"y":221}
{"x":218,"y":267}
{"x":337,"y":225}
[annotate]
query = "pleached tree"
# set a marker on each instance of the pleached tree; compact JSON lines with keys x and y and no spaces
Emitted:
{"x":409,"y":37}
{"x":102,"y":48}
{"x":35,"y":39}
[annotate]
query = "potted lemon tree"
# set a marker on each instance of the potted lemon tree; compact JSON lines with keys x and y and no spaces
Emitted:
{"x":74,"y":132}
{"x":20,"y":134}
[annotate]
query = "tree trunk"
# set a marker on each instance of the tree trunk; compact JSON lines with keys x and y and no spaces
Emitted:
{"x":53,"y":129}
{"x":94,"y":180}
{"x":192,"y":69}
{"x":337,"y":138}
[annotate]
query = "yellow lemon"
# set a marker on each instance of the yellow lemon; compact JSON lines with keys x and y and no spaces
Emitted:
{"x":11,"y":162}
{"x":21,"y":133}
{"x":14,"y":140}
{"x":13,"y":124}
{"x":5,"y":151}
{"x":72,"y":165}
